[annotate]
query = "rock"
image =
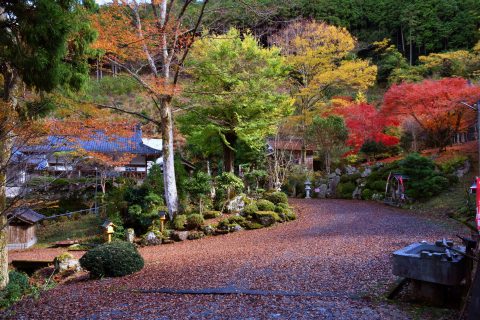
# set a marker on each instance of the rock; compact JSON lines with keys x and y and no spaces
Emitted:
{"x":66,"y":262}
{"x":130,"y":235}
{"x":151,"y":240}
{"x":266,"y":220}
{"x":193,"y":235}
{"x":237,"y":228}
{"x":366,"y":172}
{"x":332,"y":175}
{"x":357,"y":193}
{"x":208,"y":230}
{"x":350,"y":170}
{"x":167,"y":241}
{"x":180,"y":235}
{"x":322,"y":191}
{"x":464,"y":170}
{"x":338,"y":171}
{"x":220,"y":231}
{"x":332,"y":185}
{"x":235,"y":205}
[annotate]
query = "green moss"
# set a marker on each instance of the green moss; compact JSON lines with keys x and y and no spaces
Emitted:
{"x":211,"y":214}
{"x":265,"y":205}
{"x":277,"y":197}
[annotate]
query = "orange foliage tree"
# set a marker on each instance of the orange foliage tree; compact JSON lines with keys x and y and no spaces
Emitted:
{"x":366,"y":123}
{"x":436,"y":105}
{"x":150,"y":41}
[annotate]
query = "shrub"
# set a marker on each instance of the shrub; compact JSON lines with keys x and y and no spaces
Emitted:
{"x":250,"y":209}
{"x":114,"y":259}
{"x":17,"y":287}
{"x":195,"y":221}
{"x":195,"y":235}
{"x":367,"y":194}
{"x":76,"y":216}
{"x":277,"y":197}
{"x":211,"y":214}
{"x":378,"y":185}
{"x":282,"y":208}
{"x":237,"y":220}
{"x":179,"y":222}
{"x":265,"y":205}
{"x":290,"y":215}
{"x":252,"y":225}
{"x":62,"y":219}
{"x":345,"y":190}
{"x":350,"y":177}
{"x":451,"y":165}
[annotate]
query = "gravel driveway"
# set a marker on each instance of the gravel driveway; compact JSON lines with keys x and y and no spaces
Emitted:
{"x":333,"y":262}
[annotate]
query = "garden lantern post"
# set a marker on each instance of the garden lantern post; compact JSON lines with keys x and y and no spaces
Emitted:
{"x":162,"y":214}
{"x":308,"y":188}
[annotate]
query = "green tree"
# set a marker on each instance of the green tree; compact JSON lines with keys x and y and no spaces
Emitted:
{"x":43,"y":44}
{"x":234,"y":93}
{"x":329,"y":136}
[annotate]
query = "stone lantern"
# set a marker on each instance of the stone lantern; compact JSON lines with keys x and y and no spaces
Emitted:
{"x":308,"y":188}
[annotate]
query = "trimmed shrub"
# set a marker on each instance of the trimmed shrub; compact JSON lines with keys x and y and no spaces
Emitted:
{"x":114,"y":259}
{"x":195,"y":235}
{"x":290,"y":215}
{"x":265,"y":205}
{"x":345,"y":190}
{"x":367,"y":194}
{"x":179,"y":222}
{"x":211,"y":214}
{"x":378,"y":185}
{"x":17,"y":287}
{"x":195,"y":221}
{"x":282,"y":208}
{"x":250,"y":209}
{"x":277,"y":197}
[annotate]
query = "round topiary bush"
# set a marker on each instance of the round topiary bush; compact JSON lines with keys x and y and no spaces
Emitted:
{"x":250,"y":209}
{"x":265,"y":205}
{"x":195,"y":221}
{"x":277,"y":197}
{"x":367,"y":194}
{"x":114,"y":259}
{"x":267,"y":218}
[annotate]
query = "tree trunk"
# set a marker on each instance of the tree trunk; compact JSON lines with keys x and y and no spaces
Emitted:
{"x":6,"y":123}
{"x":4,"y":156}
{"x":229,"y":153}
{"x":170,"y":183}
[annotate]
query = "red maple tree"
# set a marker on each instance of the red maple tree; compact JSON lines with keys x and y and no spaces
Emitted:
{"x":436,"y":105}
{"x":366,"y":123}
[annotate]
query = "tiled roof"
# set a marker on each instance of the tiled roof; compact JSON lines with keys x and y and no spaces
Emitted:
{"x":26,"y":215}
{"x":99,"y":142}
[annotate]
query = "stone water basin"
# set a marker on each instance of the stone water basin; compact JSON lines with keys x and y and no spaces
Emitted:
{"x":430,"y":262}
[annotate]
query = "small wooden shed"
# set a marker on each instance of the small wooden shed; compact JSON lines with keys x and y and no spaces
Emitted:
{"x":22,"y":228}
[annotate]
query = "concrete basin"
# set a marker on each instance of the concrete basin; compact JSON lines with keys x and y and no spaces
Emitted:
{"x":431,"y":263}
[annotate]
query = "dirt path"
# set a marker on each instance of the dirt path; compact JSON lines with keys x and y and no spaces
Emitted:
{"x":331,"y":263}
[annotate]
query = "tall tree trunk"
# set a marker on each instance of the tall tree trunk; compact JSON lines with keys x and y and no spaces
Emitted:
{"x":170,"y":183}
{"x":4,"y":156}
{"x":6,"y":124}
{"x":229,"y":153}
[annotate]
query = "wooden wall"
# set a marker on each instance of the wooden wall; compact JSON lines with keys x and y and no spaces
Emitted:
{"x":21,"y":234}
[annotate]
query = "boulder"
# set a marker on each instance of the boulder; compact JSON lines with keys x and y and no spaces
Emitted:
{"x":266,"y":220}
{"x":193,"y":235}
{"x":357,"y":193}
{"x":366,"y":172}
{"x":463,"y":170}
{"x":235,"y":205}
{"x":338,"y":171}
{"x":332,"y":185}
{"x":151,"y":239}
{"x":180,"y":235}
{"x":350,"y":170}
{"x":66,"y":262}
{"x":208,"y":230}
{"x":237,"y":228}
{"x":322,"y":191}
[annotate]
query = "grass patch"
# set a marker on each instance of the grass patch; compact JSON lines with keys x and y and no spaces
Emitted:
{"x":85,"y":227}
